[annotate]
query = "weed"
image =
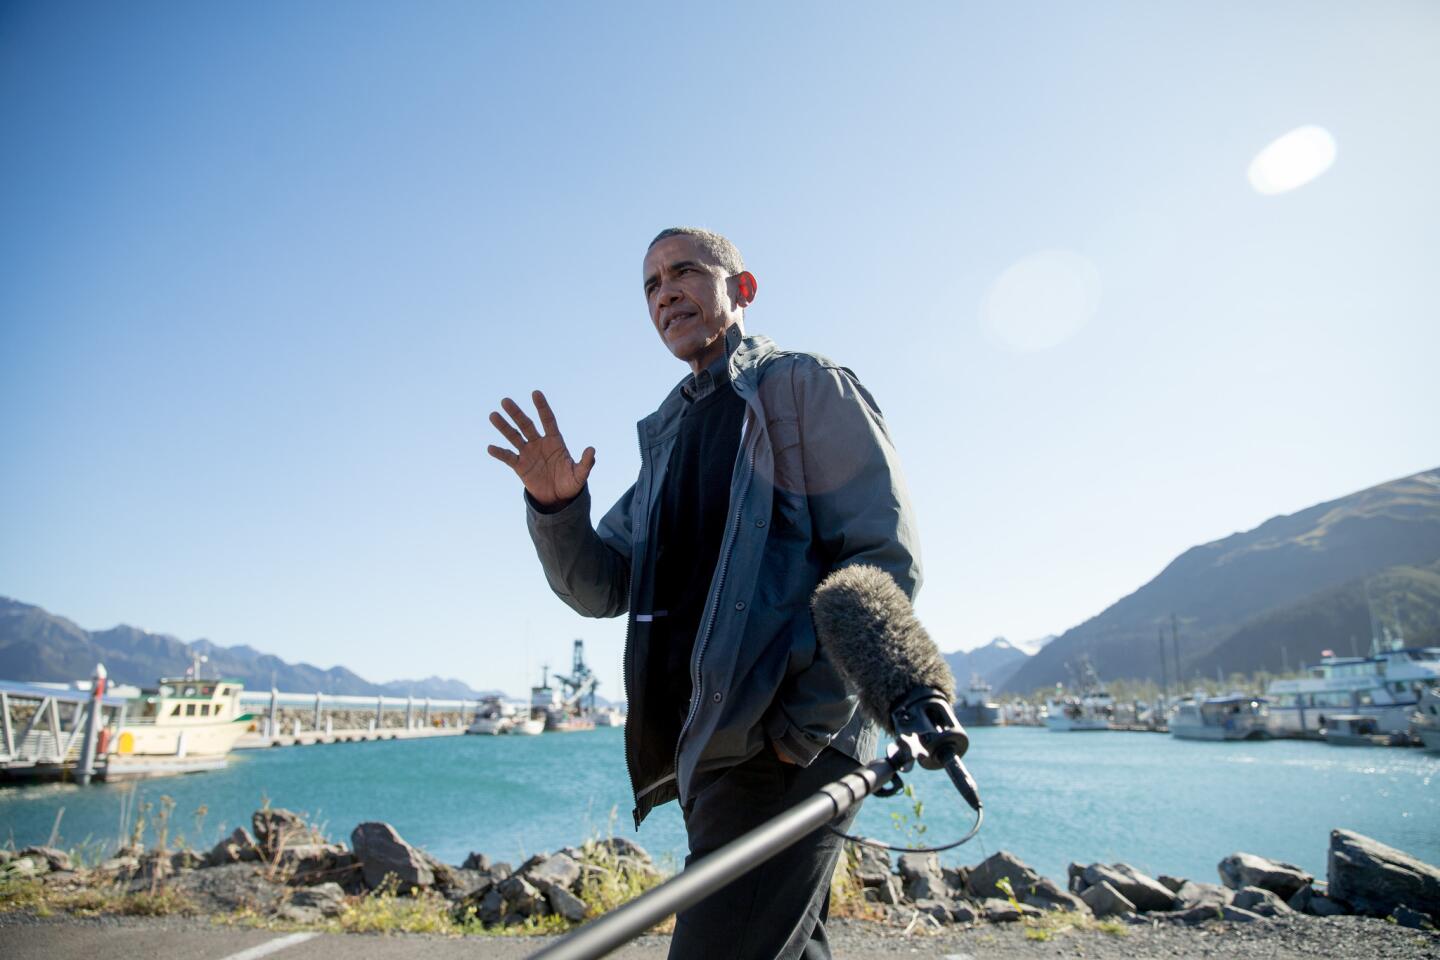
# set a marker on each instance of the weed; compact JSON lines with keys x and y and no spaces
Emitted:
{"x":910,"y":825}
{"x":1049,"y":923}
{"x":609,"y":879}
{"x":162,"y":823}
{"x":847,"y":893}
{"x":90,"y":901}
{"x":21,"y":894}
{"x":387,"y":911}
{"x":161,"y":902}
{"x":137,"y":835}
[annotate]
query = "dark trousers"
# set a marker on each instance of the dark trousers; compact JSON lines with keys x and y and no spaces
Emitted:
{"x":776,"y":911}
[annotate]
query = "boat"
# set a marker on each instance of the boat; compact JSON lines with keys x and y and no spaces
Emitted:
{"x":182,"y":717}
{"x":181,"y":725}
{"x":571,"y":708}
{"x":494,"y":716}
{"x":1425,"y":722}
{"x":1237,"y":716}
{"x":566,"y":722}
{"x":527,"y":726}
{"x":974,"y":708}
{"x":1090,"y":712}
{"x":609,"y":717}
{"x":1385,"y":686}
{"x":1356,"y":730}
{"x":1090,"y":709}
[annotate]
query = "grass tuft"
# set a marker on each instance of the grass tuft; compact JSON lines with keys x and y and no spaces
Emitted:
{"x":847,"y":893}
{"x":387,"y":911}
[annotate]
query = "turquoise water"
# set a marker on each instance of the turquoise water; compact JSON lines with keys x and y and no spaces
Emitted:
{"x":1165,"y":805}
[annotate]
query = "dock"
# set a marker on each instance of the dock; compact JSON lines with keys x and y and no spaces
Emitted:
{"x":308,"y":738}
{"x":280,"y":719}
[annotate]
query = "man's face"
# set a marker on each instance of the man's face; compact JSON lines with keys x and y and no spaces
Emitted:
{"x":691,"y":299}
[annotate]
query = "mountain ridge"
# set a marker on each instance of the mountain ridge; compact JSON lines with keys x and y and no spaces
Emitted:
{"x":37,"y":645}
{"x":1215,"y":589}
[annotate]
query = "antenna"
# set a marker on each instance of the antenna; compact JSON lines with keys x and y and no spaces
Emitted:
{"x":1175,"y":642}
{"x":1164,"y":675}
{"x":1374,"y":623}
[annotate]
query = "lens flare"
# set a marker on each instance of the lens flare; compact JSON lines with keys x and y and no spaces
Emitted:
{"x":1042,"y":300}
{"x":1292,"y":160}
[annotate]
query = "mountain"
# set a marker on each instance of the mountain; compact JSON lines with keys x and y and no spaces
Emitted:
{"x":36,"y":645}
{"x":1337,"y":619}
{"x":994,"y":663}
{"x":1033,"y":647}
{"x":1272,"y":596}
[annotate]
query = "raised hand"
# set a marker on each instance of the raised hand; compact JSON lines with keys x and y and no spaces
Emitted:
{"x":541,"y":461}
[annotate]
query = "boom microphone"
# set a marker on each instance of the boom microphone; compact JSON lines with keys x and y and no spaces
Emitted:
{"x":869,"y":627}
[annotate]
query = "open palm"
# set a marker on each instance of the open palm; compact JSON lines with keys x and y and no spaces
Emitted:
{"x":541,"y":460}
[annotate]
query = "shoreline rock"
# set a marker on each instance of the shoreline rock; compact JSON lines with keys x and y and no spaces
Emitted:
{"x":290,"y":872}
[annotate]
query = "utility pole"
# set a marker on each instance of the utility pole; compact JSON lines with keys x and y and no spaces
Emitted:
{"x":1175,"y":641}
{"x":1164,"y":673}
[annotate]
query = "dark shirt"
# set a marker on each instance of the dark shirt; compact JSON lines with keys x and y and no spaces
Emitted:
{"x":693,"y":506}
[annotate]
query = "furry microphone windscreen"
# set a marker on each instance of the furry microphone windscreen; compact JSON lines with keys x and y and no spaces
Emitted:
{"x":867,"y":624}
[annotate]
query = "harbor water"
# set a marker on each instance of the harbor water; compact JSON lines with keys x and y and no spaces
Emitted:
{"x":1164,"y":805}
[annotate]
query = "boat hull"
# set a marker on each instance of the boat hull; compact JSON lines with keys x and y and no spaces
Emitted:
{"x":978,"y":715}
{"x":489,"y":726}
{"x":1207,"y":732}
{"x":1074,"y":725}
{"x":188,"y":740}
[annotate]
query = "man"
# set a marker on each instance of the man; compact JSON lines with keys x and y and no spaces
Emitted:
{"x":760,"y":473}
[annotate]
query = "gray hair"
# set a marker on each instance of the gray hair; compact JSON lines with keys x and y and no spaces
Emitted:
{"x":721,"y":249}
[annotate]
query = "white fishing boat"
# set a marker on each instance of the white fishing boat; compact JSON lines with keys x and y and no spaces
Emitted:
{"x":527,"y":726}
{"x":1234,"y":717}
{"x":1425,"y":722}
{"x":609,"y":717}
{"x":184,"y":717}
{"x":1070,"y":714}
{"x":1353,"y":730}
{"x":1090,"y":709}
{"x":494,"y":716}
{"x":974,"y":706}
{"x":1385,"y":686}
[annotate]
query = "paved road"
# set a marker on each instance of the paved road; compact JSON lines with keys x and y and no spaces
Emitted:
{"x":70,"y":939}
{"x":1336,"y":938}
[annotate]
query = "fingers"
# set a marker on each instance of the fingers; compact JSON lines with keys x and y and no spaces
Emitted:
{"x":547,"y":417}
{"x":507,"y":431}
{"x":586,"y":464}
{"x":507,"y":457}
{"x":526,"y":425}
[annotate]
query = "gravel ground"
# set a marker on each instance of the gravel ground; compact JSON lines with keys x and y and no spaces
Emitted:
{"x":1336,"y":938}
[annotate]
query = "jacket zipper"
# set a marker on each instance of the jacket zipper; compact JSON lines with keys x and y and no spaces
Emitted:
{"x":695,"y":688}
{"x":629,"y":618}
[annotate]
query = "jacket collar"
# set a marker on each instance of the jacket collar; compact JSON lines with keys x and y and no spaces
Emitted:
{"x":747,"y":357}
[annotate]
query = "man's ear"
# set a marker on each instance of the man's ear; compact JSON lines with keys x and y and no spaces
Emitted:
{"x":747,"y":286}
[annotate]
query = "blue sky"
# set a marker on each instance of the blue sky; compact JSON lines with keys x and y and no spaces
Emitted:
{"x":265,"y":268}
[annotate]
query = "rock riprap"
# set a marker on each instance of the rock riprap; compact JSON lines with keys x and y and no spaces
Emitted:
{"x":1240,"y":870}
{"x":1375,"y":880}
{"x":288,"y":870}
{"x":384,"y":854}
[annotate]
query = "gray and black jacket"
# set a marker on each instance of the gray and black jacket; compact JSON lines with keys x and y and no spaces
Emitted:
{"x":816,"y":486}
